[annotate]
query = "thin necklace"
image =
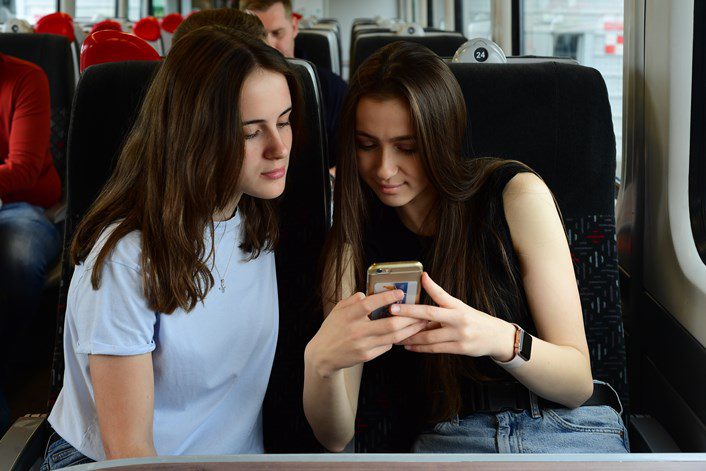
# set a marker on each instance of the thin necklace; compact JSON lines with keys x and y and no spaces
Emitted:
{"x":222,"y":287}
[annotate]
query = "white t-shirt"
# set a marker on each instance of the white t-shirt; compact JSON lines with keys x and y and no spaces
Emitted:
{"x":211,"y":365}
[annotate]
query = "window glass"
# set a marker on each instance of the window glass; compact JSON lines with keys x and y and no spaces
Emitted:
{"x":30,"y":10}
{"x":590,"y":31}
{"x":439,"y":9}
{"x":134,"y":10}
{"x":477,"y":19}
{"x":95,"y":9}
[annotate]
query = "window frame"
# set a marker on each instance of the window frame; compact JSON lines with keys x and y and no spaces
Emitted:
{"x":697,"y":152}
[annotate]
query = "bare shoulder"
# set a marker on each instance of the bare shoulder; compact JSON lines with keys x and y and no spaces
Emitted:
{"x":531,"y":212}
{"x":526,"y":183}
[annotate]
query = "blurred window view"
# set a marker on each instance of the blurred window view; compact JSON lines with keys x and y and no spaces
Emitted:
{"x":477,"y":19}
{"x":95,"y":9}
{"x":30,"y":10}
{"x":590,"y":31}
{"x":134,"y":10}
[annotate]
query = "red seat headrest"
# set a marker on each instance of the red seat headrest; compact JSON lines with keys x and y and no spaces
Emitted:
{"x":147,"y":28}
{"x":171,"y":22}
{"x":115,"y":46}
{"x":106,"y":25}
{"x":56,"y":23}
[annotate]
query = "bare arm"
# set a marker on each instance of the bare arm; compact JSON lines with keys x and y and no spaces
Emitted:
{"x":123,"y":387}
{"x":560,"y":367}
{"x":333,"y":360}
{"x":331,"y":397}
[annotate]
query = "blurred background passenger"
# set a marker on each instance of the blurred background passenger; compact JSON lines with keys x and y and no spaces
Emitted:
{"x":172,"y":315}
{"x":29,"y":183}
{"x":282,"y":28}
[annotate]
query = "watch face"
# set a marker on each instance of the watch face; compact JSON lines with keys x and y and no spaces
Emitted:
{"x":525,"y":346}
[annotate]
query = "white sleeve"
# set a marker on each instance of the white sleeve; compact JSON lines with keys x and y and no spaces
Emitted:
{"x":115,"y":319}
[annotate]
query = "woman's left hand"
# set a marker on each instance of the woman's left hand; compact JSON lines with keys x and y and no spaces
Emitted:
{"x":456,"y":327}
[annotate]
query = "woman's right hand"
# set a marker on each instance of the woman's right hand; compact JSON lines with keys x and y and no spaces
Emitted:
{"x":348,"y":337}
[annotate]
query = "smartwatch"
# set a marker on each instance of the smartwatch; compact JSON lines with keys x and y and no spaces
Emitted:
{"x":522,"y":349}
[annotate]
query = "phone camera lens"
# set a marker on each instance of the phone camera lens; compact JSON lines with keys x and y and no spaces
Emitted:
{"x":379,"y":270}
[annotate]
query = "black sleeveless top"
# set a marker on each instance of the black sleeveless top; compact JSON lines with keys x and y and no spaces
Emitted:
{"x":392,"y":407}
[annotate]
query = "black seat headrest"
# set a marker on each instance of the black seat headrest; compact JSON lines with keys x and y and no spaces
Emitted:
{"x":554,"y":117}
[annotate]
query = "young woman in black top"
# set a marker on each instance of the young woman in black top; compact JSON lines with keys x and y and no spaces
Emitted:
{"x":498,"y":273}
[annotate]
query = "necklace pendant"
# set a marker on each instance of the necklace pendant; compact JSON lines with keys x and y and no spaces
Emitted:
{"x":223,"y":286}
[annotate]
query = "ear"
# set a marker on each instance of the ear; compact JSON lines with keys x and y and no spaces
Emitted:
{"x":295,"y":24}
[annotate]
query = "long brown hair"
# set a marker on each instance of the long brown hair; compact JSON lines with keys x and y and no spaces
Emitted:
{"x":180,"y":164}
{"x":417,"y":76}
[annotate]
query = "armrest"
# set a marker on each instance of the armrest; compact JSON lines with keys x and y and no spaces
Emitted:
{"x":648,"y":436}
{"x":24,"y":443}
{"x":56,"y":213}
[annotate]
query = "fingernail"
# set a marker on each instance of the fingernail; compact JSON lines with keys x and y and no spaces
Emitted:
{"x":395,"y":308}
{"x":400,"y":294}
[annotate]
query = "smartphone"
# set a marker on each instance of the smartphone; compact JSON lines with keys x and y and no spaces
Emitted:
{"x":388,"y":276}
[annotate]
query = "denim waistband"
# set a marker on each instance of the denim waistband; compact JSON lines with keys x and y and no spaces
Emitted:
{"x":495,"y":397}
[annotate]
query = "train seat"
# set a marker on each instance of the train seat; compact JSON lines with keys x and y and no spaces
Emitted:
{"x":169,"y":24}
{"x":444,"y":44}
{"x":115,"y":46}
{"x":321,"y":47}
{"x":148,"y":29}
{"x":304,"y":222}
{"x":556,"y":118}
{"x":61,"y":24}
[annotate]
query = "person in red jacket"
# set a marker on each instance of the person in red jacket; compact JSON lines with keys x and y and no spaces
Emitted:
{"x":29,"y":183}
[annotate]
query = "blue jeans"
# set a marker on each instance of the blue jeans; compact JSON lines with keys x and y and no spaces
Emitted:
{"x":29,"y":244}
{"x":61,"y":454}
{"x":586,"y":429}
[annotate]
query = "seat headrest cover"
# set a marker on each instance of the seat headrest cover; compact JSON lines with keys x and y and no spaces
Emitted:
{"x":16,"y":25}
{"x":56,"y":23}
{"x":410,"y":29}
{"x":106,"y":25}
{"x":115,"y":46}
{"x":147,"y":28}
{"x":480,"y":51}
{"x":171,"y":22}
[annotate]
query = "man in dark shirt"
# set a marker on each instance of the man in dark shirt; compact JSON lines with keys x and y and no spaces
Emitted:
{"x":282,"y":28}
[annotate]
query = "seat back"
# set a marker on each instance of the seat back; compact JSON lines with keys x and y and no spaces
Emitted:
{"x":319,"y":46}
{"x":53,"y":54}
{"x":94,"y":145}
{"x":556,"y":118}
{"x":365,"y":44}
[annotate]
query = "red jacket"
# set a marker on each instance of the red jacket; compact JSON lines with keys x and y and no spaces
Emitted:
{"x":27,"y":170}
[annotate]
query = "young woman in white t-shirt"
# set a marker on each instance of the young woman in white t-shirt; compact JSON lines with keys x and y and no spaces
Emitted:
{"x":172,"y":315}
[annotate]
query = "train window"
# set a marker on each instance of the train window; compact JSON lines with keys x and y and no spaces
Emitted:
{"x":438,"y":16}
{"x":590,"y":32}
{"x":697,"y":165}
{"x":134,"y":9}
{"x":30,"y":10}
{"x":95,"y":9}
{"x":476,"y":19}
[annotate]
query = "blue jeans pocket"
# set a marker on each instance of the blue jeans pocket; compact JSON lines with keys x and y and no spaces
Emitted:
{"x":598,"y":419}
{"x":62,"y":454}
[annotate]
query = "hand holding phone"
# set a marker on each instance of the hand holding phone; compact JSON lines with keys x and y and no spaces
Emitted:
{"x":389,"y":276}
